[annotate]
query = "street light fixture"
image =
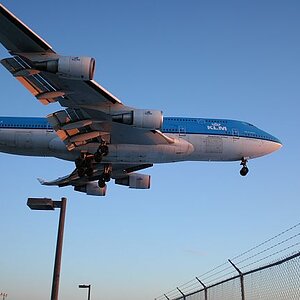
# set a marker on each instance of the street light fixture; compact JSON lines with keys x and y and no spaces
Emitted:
{"x":49,"y":204}
{"x":3,"y":295}
{"x":86,"y":286}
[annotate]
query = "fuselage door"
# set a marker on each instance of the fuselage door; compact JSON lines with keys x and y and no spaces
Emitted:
{"x":182,"y":130}
{"x":235,"y":133}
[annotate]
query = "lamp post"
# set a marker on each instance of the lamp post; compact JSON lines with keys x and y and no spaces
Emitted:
{"x":49,"y":204}
{"x":86,"y":286}
{"x":3,"y":295}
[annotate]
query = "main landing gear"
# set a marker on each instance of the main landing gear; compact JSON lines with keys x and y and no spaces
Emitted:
{"x":84,"y":163}
{"x":244,"y":170}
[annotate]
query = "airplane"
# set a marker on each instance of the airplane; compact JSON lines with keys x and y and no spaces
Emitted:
{"x":105,"y":138}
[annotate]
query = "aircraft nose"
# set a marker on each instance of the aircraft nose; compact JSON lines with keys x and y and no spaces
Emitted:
{"x":273,"y":143}
{"x":276,"y":146}
{"x":272,"y":146}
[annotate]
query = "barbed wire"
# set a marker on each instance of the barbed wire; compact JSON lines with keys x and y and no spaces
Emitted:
{"x":267,"y":241}
{"x":212,"y":276}
{"x":273,"y":254}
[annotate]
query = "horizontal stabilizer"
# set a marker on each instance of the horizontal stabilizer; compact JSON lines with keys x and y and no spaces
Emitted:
{"x":59,"y":181}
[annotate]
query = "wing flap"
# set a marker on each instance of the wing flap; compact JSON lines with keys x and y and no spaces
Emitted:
{"x":83,"y":137}
{"x":76,"y":124}
{"x":32,"y":80}
{"x":49,"y":88}
{"x":118,"y":171}
{"x":75,"y":129}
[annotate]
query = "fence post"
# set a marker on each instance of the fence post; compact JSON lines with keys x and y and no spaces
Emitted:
{"x":181,"y":293}
{"x":241,"y":278}
{"x":205,"y":288}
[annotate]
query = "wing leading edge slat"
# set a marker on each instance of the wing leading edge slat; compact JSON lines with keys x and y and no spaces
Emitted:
{"x":17,"y":37}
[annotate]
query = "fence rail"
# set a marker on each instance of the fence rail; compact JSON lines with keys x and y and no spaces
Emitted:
{"x":278,"y":279}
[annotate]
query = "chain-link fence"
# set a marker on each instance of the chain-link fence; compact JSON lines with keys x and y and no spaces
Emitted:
{"x":277,"y":281}
{"x":249,"y":278}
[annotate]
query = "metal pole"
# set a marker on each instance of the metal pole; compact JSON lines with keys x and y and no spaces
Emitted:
{"x":241,"y":277}
{"x":205,"y":288}
{"x":167,"y":297}
{"x":181,"y":293}
{"x":57,"y":264}
{"x":4,"y":295}
{"x":89,"y":292}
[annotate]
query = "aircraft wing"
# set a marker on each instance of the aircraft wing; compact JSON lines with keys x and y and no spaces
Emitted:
{"x":16,"y":37}
{"x":119,"y":171}
{"x":92,"y":113}
{"x":91,"y":117}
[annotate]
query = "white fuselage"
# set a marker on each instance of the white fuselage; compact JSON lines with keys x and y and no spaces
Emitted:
{"x":187,"y":147}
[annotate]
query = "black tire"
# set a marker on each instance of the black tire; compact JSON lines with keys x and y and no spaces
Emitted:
{"x":106,"y":177}
{"x":104,"y":150}
{"x":98,"y":157}
{"x":89,"y":172}
{"x":78,"y":162}
{"x":244,"y":171}
{"x":101,"y":183}
{"x":81,"y":171}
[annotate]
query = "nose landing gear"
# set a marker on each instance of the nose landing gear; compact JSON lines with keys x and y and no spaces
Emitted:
{"x":244,"y":170}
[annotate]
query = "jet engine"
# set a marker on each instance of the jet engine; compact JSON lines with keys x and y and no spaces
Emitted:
{"x":141,"y":118}
{"x":135,"y":181}
{"x":73,"y":67}
{"x":91,"y":188}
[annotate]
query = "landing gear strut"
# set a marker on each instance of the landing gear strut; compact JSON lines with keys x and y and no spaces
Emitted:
{"x":244,"y":170}
{"x":102,"y":151}
{"x":105,"y":177}
{"x":84,"y":165}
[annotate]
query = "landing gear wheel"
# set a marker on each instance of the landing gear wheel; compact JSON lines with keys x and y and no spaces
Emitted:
{"x":89,"y":172}
{"x":101,"y":183}
{"x":98,"y":157}
{"x":84,"y":164}
{"x":78,"y":162}
{"x":106,"y":177}
{"x":244,"y":171}
{"x":103,"y":149}
{"x":81,"y":171}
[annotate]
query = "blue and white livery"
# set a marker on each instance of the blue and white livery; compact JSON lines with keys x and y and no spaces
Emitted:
{"x":106,"y":139}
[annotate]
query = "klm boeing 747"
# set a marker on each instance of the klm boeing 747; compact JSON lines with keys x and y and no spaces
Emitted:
{"x":106,"y":139}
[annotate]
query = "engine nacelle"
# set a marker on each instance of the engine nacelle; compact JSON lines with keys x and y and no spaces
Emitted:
{"x":74,"y":67}
{"x":135,"y":181}
{"x":141,"y":118}
{"x":91,"y":188}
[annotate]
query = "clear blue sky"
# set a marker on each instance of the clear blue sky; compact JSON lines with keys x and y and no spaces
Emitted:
{"x":226,"y":59}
